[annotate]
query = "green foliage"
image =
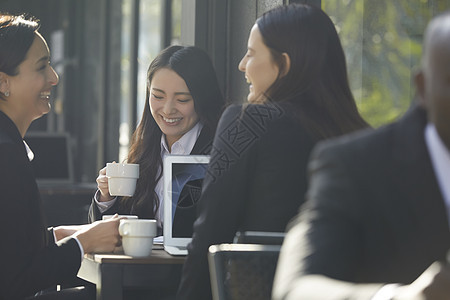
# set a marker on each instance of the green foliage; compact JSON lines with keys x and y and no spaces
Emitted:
{"x":382,"y":41}
{"x":377,"y":110}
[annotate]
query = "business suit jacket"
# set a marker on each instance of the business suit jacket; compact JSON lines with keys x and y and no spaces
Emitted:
{"x":201,"y":146}
{"x":374,"y":214}
{"x":30,"y":260}
{"x":256,"y":180}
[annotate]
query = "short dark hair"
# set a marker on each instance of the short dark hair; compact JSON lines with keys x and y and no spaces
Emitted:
{"x":317,"y":80}
{"x":17,"y":33}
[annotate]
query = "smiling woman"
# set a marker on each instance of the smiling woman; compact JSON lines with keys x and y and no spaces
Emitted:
{"x":260,"y":68}
{"x":182,"y":108}
{"x":32,"y":257}
{"x":24,"y":105}
{"x":38,"y":76}
{"x":299,"y":95}
{"x":171,"y":105}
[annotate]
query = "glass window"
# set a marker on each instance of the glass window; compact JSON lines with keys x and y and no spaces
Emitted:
{"x":149,"y":45}
{"x":382,"y":42}
{"x":176,"y":22}
{"x":125,"y":90}
{"x":150,"y":31}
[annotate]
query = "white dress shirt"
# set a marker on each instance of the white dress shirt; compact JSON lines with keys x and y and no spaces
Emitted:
{"x":183,"y":146}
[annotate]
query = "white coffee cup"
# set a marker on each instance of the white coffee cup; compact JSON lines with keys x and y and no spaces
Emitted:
{"x":107,"y":217}
{"x":137,"y":236}
{"x":122,"y":178}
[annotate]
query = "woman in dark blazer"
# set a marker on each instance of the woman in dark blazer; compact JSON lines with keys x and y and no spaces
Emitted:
{"x":183,"y":106}
{"x":298,"y":95}
{"x":33,"y":258}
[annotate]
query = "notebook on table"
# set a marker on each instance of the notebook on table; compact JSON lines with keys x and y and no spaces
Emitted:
{"x":183,"y":177}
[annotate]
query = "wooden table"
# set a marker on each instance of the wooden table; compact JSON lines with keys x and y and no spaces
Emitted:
{"x":114,"y":273}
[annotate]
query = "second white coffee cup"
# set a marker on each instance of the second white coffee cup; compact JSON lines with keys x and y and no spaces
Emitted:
{"x":137,"y":236}
{"x":122,"y":178}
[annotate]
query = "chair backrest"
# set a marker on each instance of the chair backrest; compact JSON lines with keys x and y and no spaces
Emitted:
{"x":259,"y":237}
{"x":242,"y":271}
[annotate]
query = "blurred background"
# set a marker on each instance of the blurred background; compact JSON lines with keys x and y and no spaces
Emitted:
{"x":101,"y":50}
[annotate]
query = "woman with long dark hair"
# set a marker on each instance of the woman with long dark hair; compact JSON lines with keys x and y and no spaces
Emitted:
{"x":298,"y":94}
{"x":182,"y":108}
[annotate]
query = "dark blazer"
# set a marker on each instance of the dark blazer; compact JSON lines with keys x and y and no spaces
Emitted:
{"x":201,"y":146}
{"x":256,"y":180}
{"x":374,"y":214}
{"x":30,"y":260}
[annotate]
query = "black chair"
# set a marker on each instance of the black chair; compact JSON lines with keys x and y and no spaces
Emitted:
{"x":259,"y":237}
{"x":242,"y":271}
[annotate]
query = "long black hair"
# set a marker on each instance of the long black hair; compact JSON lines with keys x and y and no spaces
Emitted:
{"x":195,"y":67}
{"x":316,"y":85}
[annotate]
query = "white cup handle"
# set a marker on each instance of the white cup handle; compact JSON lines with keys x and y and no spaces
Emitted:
{"x":123,"y":229}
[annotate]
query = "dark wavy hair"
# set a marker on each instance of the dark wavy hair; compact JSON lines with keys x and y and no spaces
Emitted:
{"x":316,"y":85}
{"x":195,"y":67}
{"x":16,"y":36}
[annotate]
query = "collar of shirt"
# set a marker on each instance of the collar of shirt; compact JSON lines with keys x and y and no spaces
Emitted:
{"x":30,"y":153}
{"x":440,"y":158}
{"x":185,"y":144}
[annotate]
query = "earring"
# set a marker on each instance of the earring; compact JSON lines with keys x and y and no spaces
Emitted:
{"x":6,"y":94}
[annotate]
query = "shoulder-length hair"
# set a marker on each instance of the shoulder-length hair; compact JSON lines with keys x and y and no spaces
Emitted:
{"x":17,"y":33}
{"x":316,"y":84}
{"x":195,"y":67}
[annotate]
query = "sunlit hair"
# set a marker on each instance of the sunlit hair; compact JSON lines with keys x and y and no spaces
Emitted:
{"x":195,"y":67}
{"x":16,"y":36}
{"x":316,"y":84}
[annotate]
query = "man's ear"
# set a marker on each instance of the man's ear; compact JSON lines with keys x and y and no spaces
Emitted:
{"x":419,"y":81}
{"x":4,"y":82}
{"x":286,"y":64}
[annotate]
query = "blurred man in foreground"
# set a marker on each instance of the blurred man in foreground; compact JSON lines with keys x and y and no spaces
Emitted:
{"x":375,"y":225}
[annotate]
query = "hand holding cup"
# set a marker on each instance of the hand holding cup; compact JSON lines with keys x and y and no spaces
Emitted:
{"x":100,"y":236}
{"x":103,"y":186}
